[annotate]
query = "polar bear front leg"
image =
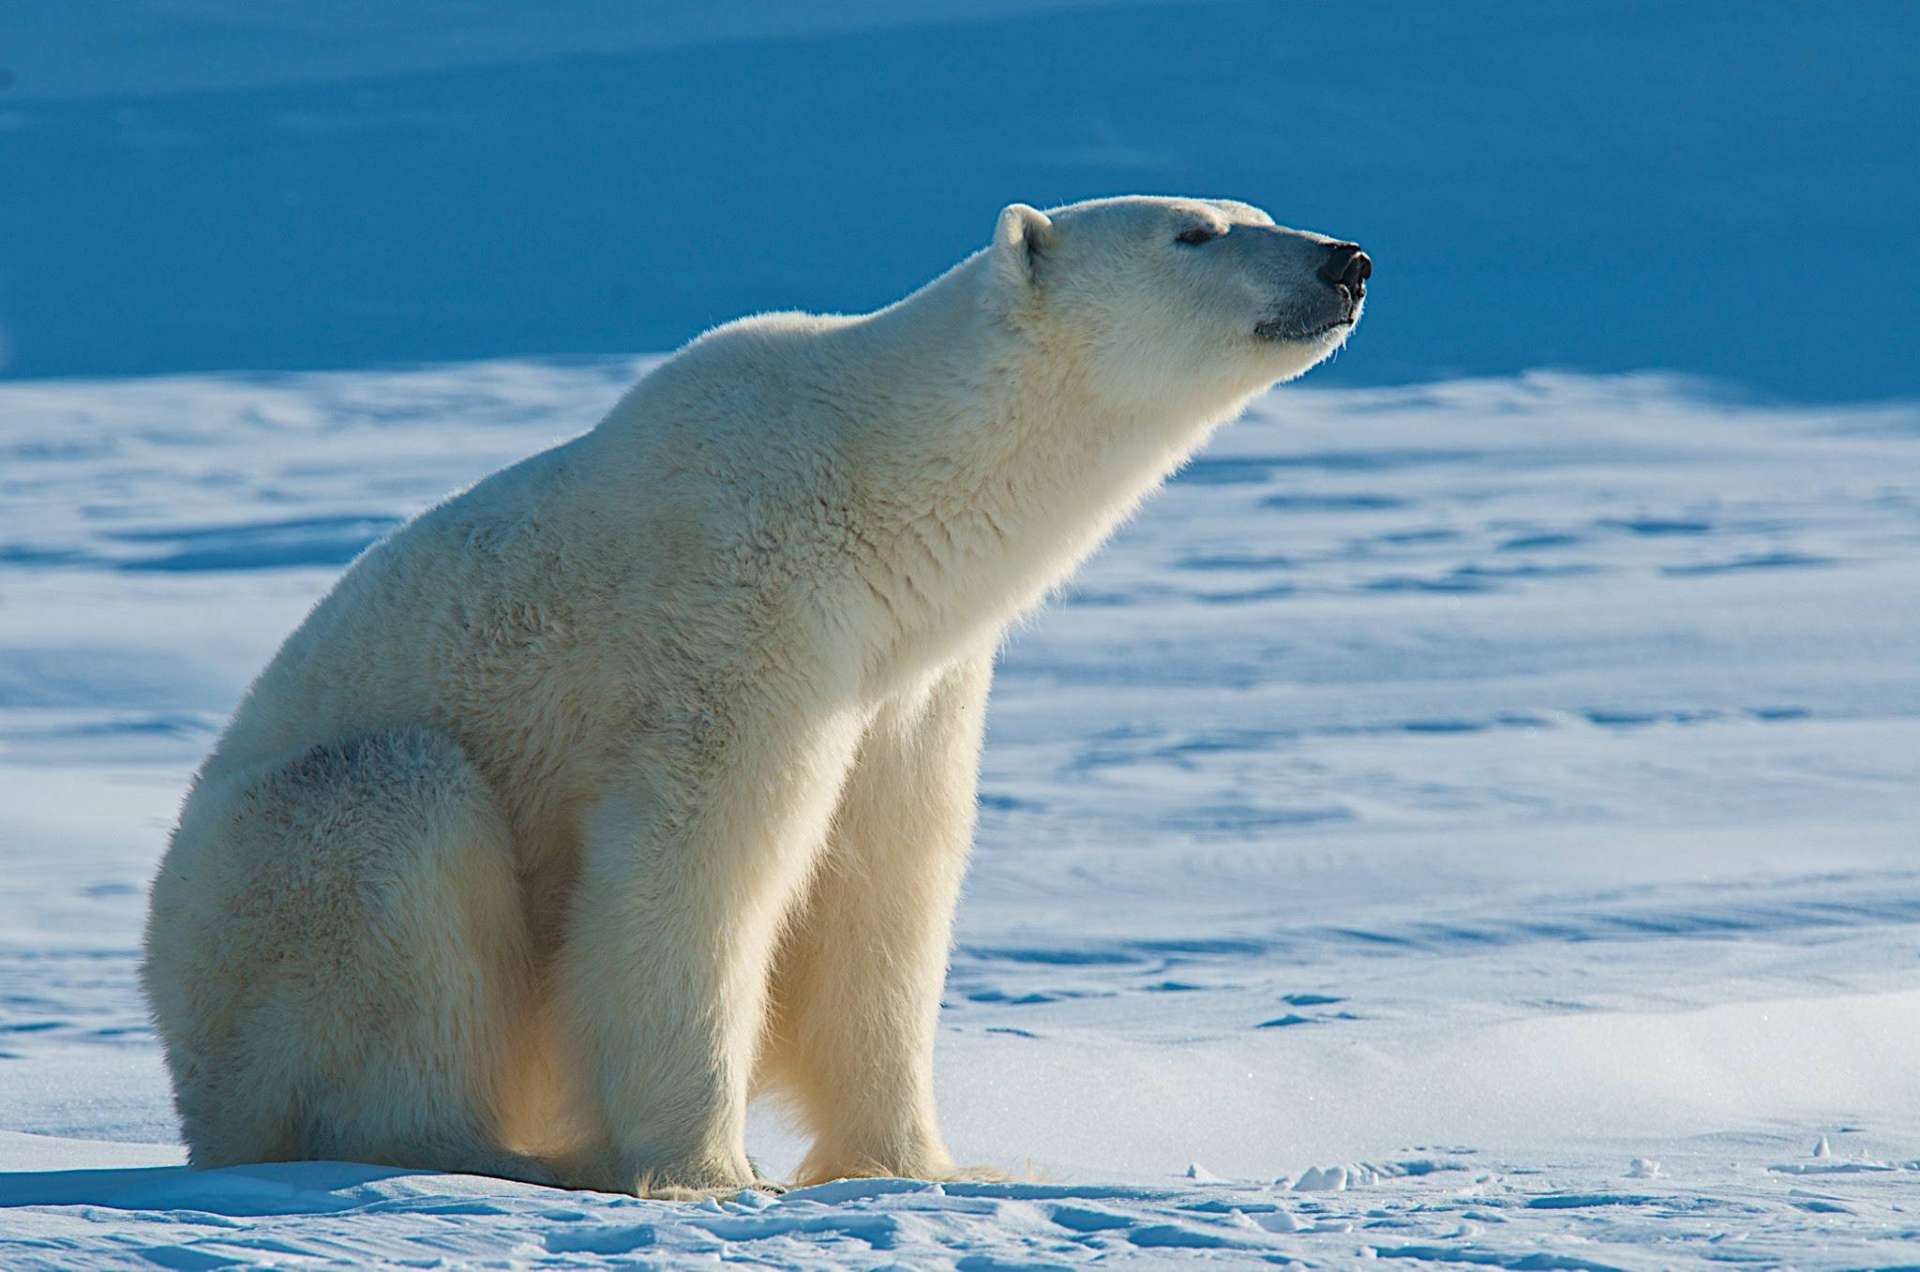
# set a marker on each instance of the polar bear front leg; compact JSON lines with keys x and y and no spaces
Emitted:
{"x":688,"y":874}
{"x":857,"y":980}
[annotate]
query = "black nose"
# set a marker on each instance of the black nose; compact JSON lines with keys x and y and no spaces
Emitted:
{"x":1348,"y":267}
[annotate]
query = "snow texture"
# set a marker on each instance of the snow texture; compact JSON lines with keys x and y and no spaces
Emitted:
{"x":1468,"y":824}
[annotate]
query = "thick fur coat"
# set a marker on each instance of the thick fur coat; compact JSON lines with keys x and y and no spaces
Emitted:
{"x":641,"y":776}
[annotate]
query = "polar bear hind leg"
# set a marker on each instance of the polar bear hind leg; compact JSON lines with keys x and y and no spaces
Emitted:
{"x":338,"y":963}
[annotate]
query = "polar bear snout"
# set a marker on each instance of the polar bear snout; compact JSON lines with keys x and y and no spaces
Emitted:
{"x":1348,"y":267}
{"x":1322,"y":287}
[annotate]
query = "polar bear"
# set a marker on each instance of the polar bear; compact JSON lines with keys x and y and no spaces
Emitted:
{"x":640,"y":777}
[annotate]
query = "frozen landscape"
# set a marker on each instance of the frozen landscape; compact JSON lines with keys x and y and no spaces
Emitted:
{"x":1471,"y":818}
{"x":1469,"y":824}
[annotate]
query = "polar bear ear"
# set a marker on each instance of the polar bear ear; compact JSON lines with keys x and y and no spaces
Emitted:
{"x":1019,"y":241}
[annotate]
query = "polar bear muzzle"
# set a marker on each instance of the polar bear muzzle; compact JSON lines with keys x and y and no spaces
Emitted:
{"x":1329,"y":306}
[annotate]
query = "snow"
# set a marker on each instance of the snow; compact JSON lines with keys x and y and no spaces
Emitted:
{"x":1470,"y":818}
{"x":1471,"y":822}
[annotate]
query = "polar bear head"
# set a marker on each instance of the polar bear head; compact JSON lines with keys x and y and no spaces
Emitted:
{"x":1176,"y":301}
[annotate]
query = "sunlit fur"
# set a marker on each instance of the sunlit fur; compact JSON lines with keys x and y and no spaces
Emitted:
{"x":642,"y":775}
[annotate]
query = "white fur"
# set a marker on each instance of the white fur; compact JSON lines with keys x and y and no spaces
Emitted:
{"x":641,"y":775}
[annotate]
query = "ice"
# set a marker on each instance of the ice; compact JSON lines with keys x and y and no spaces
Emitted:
{"x":1422,"y":719}
{"x":1473,"y":811}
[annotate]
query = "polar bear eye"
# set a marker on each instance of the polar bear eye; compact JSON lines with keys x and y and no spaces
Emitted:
{"x":1197,"y":235}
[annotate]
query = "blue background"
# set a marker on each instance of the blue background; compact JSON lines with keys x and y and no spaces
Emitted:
{"x":1727,"y":189}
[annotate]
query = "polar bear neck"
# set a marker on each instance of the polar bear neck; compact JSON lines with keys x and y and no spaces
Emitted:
{"x":987,"y":461}
{"x":952,"y":462}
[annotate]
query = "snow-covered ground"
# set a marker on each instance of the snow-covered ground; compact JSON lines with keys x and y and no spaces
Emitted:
{"x":1474,"y":823}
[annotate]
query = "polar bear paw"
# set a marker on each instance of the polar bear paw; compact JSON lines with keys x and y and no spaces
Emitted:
{"x":676,"y":1192}
{"x":690,"y":1181}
